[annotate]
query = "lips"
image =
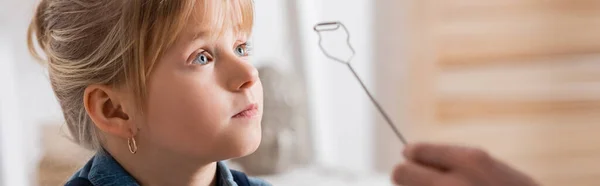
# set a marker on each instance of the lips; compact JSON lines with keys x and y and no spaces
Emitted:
{"x":249,"y":112}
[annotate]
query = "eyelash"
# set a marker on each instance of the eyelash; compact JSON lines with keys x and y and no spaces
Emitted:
{"x":208,"y":57}
{"x":248,"y":47}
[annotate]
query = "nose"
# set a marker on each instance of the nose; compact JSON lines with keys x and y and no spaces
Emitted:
{"x":241,"y":75}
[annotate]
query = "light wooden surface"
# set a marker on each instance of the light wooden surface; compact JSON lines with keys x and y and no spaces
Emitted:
{"x":520,"y":78}
{"x":476,"y":32}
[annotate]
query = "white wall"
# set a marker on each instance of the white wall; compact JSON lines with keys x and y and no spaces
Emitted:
{"x":342,"y":116}
{"x":341,"y":110}
{"x":34,"y":98}
{"x":350,"y":133}
{"x":12,"y":141}
{"x":271,"y":35}
{"x":391,"y":51}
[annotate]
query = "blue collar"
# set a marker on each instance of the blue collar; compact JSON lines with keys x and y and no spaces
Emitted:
{"x":104,"y":170}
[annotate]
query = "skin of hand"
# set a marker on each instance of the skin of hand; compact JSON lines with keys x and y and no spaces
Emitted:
{"x":447,"y":165}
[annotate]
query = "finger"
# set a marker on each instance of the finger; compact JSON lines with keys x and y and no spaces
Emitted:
{"x":412,"y":174}
{"x":445,"y":157}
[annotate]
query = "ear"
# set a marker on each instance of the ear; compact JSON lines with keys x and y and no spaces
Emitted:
{"x":105,"y":107}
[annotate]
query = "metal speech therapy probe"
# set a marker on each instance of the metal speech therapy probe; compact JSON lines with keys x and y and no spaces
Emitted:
{"x":332,"y":26}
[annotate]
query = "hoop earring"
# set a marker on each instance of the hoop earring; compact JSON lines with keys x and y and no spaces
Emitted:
{"x":132,"y":145}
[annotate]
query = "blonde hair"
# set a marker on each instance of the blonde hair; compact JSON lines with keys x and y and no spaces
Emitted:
{"x":116,"y":43}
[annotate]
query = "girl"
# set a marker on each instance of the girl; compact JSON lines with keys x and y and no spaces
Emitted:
{"x":161,"y":89}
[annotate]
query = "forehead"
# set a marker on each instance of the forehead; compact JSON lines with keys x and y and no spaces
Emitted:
{"x":211,"y":19}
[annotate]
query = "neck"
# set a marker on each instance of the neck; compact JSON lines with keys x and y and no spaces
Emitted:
{"x":155,"y":167}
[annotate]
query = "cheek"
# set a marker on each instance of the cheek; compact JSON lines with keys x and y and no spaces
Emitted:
{"x":184,"y":114}
{"x":191,"y":115}
{"x":258,"y":91}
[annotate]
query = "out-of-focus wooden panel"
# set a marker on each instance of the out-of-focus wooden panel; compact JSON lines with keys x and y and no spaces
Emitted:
{"x":476,"y":43}
{"x":466,"y":8}
{"x":520,"y":78}
{"x":523,"y":73}
{"x":557,"y":86}
{"x":482,"y":32}
{"x":453,"y":109}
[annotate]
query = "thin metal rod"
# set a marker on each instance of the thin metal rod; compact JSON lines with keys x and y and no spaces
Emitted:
{"x":376,"y":103}
{"x":337,"y":25}
{"x":323,"y":27}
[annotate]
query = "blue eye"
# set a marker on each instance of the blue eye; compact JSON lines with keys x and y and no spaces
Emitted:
{"x":202,"y":58}
{"x":242,"y":50}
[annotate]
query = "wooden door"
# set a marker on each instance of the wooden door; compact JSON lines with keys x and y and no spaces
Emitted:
{"x":520,"y":78}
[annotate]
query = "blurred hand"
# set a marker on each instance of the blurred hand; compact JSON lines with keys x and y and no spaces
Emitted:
{"x":443,"y":165}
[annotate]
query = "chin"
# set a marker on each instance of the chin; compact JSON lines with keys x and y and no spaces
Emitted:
{"x":245,"y":146}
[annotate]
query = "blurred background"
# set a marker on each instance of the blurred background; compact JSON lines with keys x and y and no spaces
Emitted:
{"x":519,"y":78}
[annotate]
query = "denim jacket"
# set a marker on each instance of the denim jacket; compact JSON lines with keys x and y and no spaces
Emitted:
{"x":104,"y":170}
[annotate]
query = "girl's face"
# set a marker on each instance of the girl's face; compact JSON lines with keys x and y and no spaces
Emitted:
{"x":204,"y":98}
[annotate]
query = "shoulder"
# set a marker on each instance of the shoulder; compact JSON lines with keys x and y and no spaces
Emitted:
{"x":102,"y":170}
{"x":81,"y":177}
{"x":241,"y":179}
{"x":232,"y":177}
{"x":79,"y":181}
{"x":258,"y":182}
